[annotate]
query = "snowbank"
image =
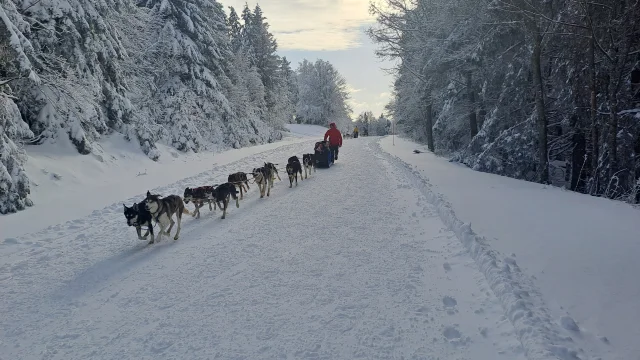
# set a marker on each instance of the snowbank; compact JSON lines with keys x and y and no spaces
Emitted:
{"x":67,"y":185}
{"x":574,"y":287}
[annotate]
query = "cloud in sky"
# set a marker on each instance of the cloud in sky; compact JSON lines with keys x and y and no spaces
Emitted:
{"x":313,"y":25}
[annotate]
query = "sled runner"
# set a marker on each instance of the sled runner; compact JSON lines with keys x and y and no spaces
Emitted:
{"x":323,"y":155}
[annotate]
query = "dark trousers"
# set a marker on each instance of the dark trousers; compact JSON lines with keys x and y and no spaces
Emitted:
{"x":334,"y":150}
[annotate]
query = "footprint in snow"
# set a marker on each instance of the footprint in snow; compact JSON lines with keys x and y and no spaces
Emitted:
{"x":451,"y":333}
{"x":448,"y":301}
{"x":455,"y":337}
{"x":446,"y":266}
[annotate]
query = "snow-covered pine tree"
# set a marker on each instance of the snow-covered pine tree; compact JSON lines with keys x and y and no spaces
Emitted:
{"x":15,"y":63}
{"x":76,"y":54}
{"x":188,"y":99}
{"x":263,"y":55}
{"x":14,"y":183}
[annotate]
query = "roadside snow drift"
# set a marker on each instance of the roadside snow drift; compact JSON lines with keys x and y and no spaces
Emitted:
{"x":573,"y":289}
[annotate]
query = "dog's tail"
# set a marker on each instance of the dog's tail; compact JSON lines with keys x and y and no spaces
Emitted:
{"x":186,"y":211}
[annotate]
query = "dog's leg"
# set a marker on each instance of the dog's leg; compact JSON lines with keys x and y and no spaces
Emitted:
{"x":179,"y":218}
{"x":241,"y":191}
{"x":269,"y":188}
{"x":151,"y":231}
{"x":138,"y":230}
{"x":210,"y":209}
{"x":237,"y":202}
{"x":144,"y":237}
{"x":261,"y":188}
{"x":226,"y":202}
{"x":247,"y":183}
{"x":171,"y":223}
{"x":162,"y":227}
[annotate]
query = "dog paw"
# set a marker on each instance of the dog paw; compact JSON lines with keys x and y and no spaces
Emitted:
{"x":150,"y":242}
{"x":175,"y":237}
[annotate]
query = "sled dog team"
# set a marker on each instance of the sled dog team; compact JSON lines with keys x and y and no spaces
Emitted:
{"x":161,"y":210}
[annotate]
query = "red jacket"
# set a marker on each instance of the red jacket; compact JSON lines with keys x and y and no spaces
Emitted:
{"x":334,"y":135}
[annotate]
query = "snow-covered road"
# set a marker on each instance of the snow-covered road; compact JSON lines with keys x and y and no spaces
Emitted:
{"x":351,"y":263}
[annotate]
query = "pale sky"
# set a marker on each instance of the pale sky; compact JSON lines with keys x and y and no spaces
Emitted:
{"x":332,"y":30}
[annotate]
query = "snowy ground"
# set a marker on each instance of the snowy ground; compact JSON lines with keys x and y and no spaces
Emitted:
{"x":117,"y":169}
{"x":354,"y":262}
{"x":579,"y":254}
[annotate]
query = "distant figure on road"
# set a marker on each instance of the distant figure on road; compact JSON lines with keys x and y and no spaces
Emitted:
{"x":355,"y":132}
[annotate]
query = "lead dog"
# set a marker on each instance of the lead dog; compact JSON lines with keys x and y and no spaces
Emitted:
{"x":308,"y":163}
{"x":199,"y":196}
{"x":293,"y":168}
{"x":138,"y":216}
{"x":240,"y":180}
{"x":162,"y":211}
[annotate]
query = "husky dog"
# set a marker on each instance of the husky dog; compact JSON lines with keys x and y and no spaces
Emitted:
{"x":223,"y":193}
{"x":263,"y":179}
{"x":240,"y":180}
{"x":162,"y":211}
{"x":293,"y":168}
{"x":308,"y":163}
{"x":199,"y":196}
{"x":139,"y":216}
{"x":274,"y":172}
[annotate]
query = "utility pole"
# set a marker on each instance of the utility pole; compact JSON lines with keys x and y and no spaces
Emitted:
{"x":393,"y":132}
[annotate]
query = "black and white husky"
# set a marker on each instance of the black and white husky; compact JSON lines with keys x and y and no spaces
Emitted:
{"x":293,"y":168}
{"x":138,"y":216}
{"x":308,"y":163}
{"x":162,"y":211}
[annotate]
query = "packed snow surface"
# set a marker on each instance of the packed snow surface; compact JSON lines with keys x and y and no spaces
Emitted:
{"x":354,"y":262}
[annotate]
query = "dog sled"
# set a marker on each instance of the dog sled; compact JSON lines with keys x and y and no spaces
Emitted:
{"x":323,"y":155}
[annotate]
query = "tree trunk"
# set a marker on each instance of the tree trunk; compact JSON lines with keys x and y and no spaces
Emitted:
{"x":595,"y":152}
{"x":612,"y":142}
{"x":429,"y":125}
{"x":482,"y":115}
{"x":577,"y":159}
{"x":473,"y":121}
{"x":543,"y":160}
